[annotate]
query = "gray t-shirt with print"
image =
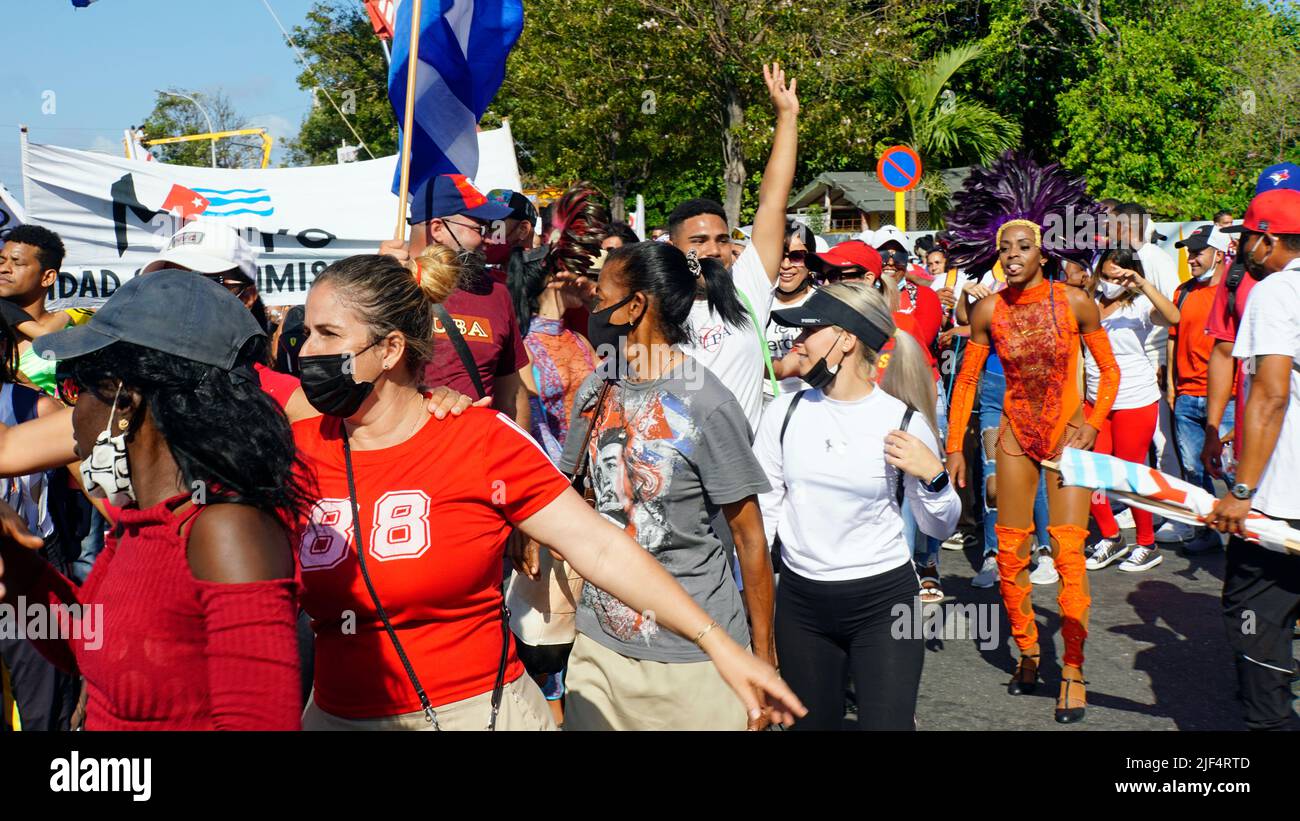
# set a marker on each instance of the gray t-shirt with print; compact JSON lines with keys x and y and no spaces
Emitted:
{"x":666,"y":455}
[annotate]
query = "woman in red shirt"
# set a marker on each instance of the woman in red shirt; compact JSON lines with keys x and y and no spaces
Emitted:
{"x":411,"y":628}
{"x":186,"y":621}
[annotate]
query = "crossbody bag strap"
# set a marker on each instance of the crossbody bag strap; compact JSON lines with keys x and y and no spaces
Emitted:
{"x":762,"y":341}
{"x":429,"y":713}
{"x":580,"y":471}
{"x":907,"y":420}
{"x":789,"y":411}
{"x":462,"y":349}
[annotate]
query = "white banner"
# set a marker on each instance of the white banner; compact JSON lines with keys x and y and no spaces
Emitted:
{"x":115,"y":215}
{"x":11,"y":213}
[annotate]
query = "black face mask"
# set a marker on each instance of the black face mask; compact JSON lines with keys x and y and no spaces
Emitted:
{"x":820,"y":377}
{"x":1256,"y":269}
{"x":608,"y":339}
{"x":329,"y":388}
{"x":802,"y":287}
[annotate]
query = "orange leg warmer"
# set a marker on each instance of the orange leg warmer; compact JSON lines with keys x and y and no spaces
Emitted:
{"x":1073,"y":598}
{"x":1013,"y":572}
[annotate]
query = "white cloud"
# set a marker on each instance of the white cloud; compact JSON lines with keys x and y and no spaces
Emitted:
{"x":280,"y":129}
{"x":107,"y":145}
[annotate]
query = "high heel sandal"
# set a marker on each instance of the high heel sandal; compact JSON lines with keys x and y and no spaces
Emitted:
{"x":1071,"y":715}
{"x":1025,"y":680}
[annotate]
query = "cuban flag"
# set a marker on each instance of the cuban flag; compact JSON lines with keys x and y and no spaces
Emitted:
{"x":1150,"y":490}
{"x":462,"y":62}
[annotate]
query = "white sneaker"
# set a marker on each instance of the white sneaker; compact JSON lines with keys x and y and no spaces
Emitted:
{"x":1045,"y":573}
{"x":988,"y":575}
{"x":954,"y":542}
{"x":1106,"y":552}
{"x":1125,"y":520}
{"x":1172,"y":532}
{"x":1143,"y":558}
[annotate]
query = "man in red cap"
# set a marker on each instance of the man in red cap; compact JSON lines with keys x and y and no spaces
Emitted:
{"x":1261,"y":588}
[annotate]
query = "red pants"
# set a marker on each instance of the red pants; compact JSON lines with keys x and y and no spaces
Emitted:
{"x":1126,"y":434}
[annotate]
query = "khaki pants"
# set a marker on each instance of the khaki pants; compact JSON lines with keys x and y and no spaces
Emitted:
{"x":523,"y":707}
{"x":609,"y":691}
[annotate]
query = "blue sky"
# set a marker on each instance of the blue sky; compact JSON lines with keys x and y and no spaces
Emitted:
{"x":104,"y":62}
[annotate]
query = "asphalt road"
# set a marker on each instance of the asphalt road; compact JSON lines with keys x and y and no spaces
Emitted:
{"x":1156,"y":656}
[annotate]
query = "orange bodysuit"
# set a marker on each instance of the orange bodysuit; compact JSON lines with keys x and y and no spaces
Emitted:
{"x":1037,"y":338}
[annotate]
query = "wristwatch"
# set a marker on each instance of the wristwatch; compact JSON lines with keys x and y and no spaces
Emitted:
{"x":938,"y":483}
{"x":1242,"y":491}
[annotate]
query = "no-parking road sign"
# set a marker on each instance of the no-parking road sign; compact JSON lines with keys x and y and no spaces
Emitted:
{"x":899,"y":169}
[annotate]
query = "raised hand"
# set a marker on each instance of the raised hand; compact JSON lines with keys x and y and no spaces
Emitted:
{"x":785,"y":98}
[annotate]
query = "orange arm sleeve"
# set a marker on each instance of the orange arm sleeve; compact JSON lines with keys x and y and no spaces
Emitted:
{"x":1099,"y":346}
{"x":963,"y":394}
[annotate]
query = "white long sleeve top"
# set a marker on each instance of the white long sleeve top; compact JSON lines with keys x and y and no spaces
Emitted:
{"x":834,"y":499}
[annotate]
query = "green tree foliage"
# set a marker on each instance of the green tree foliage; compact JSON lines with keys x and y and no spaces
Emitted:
{"x":1171,"y":113}
{"x":174,"y":116}
{"x":945,"y":127}
{"x":346,"y":59}
{"x":1174,"y":103}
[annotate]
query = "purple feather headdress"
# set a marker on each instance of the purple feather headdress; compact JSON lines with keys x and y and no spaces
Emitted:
{"x":1015,"y":187}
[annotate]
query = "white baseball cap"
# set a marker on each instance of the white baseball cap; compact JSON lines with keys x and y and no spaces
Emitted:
{"x":208,"y":247}
{"x":884,"y":234}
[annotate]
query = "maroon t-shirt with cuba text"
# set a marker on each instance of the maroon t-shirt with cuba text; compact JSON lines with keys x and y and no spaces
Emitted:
{"x":486,"y":319}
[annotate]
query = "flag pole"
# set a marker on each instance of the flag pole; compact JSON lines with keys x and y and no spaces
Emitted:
{"x":412,"y":62}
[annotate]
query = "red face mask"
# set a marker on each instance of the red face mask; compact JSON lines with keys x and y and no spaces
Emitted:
{"x":497,"y":253}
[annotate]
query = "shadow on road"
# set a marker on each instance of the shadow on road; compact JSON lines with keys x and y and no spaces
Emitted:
{"x":1187,"y":662}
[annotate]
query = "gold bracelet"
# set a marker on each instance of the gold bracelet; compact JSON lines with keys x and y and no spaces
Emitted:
{"x":700,"y":636}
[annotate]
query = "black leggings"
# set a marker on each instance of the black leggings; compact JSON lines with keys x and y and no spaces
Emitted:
{"x":824,"y":628}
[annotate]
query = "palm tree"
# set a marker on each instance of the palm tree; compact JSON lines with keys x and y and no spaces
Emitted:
{"x":945,"y":126}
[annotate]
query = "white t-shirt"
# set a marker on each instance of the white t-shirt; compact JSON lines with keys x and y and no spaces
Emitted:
{"x":959,"y":280}
{"x":1129,"y":328}
{"x":1161,"y":269}
{"x":735,"y":355}
{"x":833,"y":497}
{"x":1270,"y":327}
{"x":780,"y":340}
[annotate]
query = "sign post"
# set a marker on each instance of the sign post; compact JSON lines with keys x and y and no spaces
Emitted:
{"x":899,"y":170}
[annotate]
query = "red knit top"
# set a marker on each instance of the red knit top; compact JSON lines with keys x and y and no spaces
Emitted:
{"x":161,"y":650}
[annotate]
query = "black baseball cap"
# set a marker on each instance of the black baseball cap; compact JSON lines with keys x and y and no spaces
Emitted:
{"x":821,"y":309}
{"x":521,"y":208}
{"x":1203,"y":237}
{"x":176,"y":312}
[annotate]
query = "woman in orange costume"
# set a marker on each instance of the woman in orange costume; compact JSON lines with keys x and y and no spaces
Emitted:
{"x":1035,"y":325}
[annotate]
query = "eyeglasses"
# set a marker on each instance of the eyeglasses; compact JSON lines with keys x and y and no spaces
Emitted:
{"x":479,"y":227}
{"x":796,"y":257}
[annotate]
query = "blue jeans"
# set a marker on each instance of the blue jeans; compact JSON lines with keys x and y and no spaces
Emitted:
{"x":993,"y":385}
{"x":911,"y":532}
{"x":1189,"y":430}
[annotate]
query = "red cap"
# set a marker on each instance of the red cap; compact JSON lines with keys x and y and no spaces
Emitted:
{"x":853,"y":253}
{"x":1272,"y":212}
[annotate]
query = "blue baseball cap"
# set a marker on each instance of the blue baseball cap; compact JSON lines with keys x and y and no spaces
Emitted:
{"x":1275,"y":177}
{"x":450,"y":195}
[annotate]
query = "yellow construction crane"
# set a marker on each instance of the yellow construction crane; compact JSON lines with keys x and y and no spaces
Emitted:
{"x":217,"y":135}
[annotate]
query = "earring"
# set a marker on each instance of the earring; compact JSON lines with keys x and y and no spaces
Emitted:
{"x":122,"y":424}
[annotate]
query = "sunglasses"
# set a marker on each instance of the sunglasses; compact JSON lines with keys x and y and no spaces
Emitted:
{"x":234,"y":286}
{"x":899,"y":257}
{"x":796,"y":257}
{"x":837,"y":274}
